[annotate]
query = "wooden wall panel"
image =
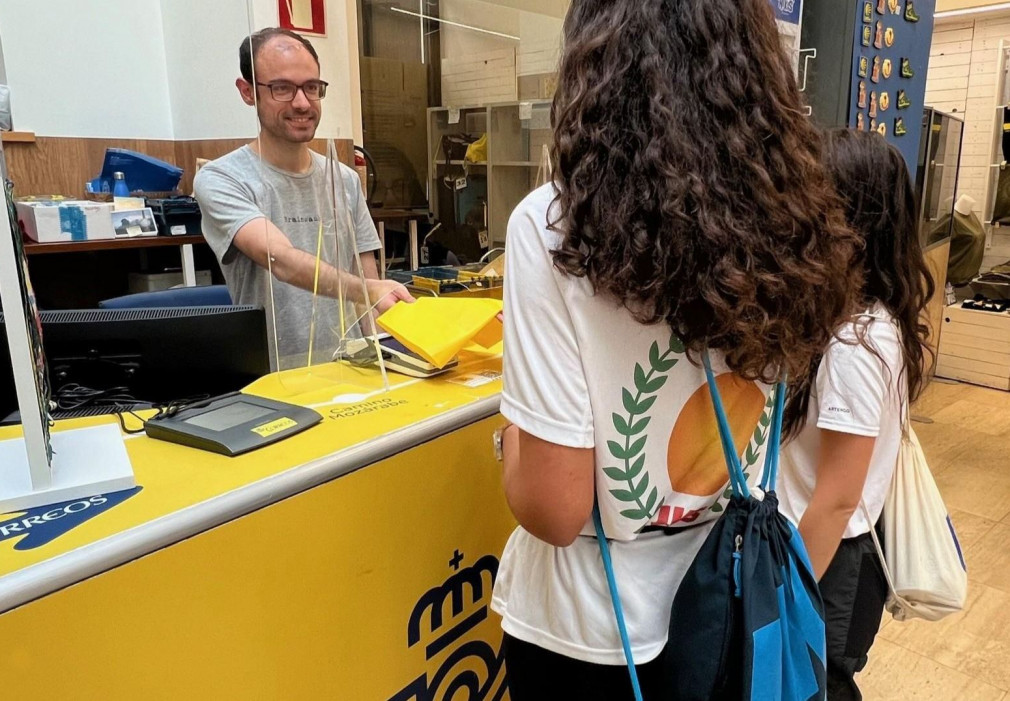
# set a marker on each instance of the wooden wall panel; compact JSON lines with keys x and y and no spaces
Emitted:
{"x":61,"y":166}
{"x":479,"y":79}
{"x":48,"y":166}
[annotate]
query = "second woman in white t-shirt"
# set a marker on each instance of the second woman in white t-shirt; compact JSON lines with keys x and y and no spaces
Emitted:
{"x":857,"y":403}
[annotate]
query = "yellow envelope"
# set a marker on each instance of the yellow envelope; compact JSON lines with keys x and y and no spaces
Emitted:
{"x":438,"y":328}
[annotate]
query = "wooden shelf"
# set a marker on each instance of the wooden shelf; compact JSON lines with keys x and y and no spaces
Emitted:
{"x":384,"y":214}
{"x":17,"y":137}
{"x":33,"y":249}
{"x":442,"y":162}
{"x":493,"y":164}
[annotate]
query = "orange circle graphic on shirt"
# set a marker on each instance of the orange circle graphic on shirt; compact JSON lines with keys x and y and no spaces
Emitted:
{"x":694,"y":459}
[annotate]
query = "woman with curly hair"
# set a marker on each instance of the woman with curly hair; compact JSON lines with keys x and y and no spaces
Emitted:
{"x":689,"y":211}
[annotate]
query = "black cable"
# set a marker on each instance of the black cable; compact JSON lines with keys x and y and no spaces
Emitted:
{"x":122,"y":422}
{"x":72,"y":396}
{"x":164,"y":411}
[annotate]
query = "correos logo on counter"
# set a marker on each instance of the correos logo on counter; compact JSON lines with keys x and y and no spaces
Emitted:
{"x":43,"y":524}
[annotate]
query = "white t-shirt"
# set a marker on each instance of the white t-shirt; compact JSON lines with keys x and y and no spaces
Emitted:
{"x":581,"y":372}
{"x":856,"y":392}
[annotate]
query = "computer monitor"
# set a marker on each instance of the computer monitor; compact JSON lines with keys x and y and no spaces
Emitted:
{"x":159,"y":355}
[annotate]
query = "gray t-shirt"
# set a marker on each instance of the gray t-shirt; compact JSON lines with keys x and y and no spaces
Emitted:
{"x":239,"y":188}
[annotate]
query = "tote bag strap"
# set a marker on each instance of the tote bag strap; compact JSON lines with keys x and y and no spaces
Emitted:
{"x":906,"y":429}
{"x":615,"y":598}
{"x":883,"y":560}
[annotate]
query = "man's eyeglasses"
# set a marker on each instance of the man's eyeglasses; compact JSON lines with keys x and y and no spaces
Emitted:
{"x":314,"y":90}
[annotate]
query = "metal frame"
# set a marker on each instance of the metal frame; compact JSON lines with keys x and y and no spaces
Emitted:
{"x":929,"y":158}
{"x":22,"y":357}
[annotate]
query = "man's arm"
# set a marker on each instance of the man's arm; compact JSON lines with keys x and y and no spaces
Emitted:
{"x":368,"y":265}
{"x":365,"y":233}
{"x":268,"y":247}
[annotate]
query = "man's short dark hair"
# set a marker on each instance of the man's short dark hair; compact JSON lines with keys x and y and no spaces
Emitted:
{"x":251,"y":46}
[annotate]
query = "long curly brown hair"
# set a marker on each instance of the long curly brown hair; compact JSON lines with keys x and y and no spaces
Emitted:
{"x":689,"y":181}
{"x":873,"y":181}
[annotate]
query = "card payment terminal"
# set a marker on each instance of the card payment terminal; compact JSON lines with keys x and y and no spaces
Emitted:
{"x":232,"y":424}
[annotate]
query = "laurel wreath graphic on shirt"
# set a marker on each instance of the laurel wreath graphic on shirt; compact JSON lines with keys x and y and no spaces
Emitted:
{"x":632,"y":427}
{"x":751,"y":454}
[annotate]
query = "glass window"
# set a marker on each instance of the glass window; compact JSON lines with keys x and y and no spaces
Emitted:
{"x":455,"y":110}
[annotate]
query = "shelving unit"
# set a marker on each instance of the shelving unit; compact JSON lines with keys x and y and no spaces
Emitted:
{"x":517,"y":133}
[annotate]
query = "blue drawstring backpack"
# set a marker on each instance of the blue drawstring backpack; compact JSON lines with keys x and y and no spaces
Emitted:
{"x":747,"y":621}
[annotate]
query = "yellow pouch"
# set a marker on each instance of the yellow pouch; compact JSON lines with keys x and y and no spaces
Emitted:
{"x":438,"y":328}
{"x":477,"y":151}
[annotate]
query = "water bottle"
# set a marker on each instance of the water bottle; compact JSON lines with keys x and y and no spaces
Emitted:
{"x":120,"y":189}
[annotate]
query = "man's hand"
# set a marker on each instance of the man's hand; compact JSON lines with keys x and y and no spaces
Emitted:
{"x":383,"y":294}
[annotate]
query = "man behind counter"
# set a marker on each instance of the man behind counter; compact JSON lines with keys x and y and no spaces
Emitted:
{"x":269,"y":198}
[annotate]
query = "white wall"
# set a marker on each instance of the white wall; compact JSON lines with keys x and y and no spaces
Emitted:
{"x":459,"y":43}
{"x":201,"y":50}
{"x":3,"y":71}
{"x":475,"y":66}
{"x":157,"y":69}
{"x":540,"y":45}
{"x":88,"y":69}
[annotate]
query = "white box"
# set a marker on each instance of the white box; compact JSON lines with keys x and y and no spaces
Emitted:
{"x":975,"y":347}
{"x":68,"y":220}
{"x":86,"y":462}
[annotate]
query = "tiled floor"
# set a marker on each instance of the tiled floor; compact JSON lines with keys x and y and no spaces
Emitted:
{"x":964,"y":657}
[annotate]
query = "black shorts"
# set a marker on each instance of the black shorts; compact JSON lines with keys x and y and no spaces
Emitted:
{"x":854,"y":591}
{"x":534,"y":673}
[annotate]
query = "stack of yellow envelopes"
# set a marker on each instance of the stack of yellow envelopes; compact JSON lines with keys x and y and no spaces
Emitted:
{"x":438,"y":328}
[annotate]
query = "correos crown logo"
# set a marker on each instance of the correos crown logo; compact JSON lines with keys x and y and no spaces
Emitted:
{"x":473,"y":667}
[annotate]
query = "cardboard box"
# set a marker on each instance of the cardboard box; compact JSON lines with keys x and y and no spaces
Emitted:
{"x":47,"y":221}
{"x":155,"y":282}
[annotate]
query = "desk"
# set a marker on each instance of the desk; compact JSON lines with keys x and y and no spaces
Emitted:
{"x":351,"y":561}
{"x":33,"y":248}
{"x":17,"y":137}
{"x":381,"y":215}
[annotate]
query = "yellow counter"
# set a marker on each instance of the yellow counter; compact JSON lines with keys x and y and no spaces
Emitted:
{"x":352,"y":561}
